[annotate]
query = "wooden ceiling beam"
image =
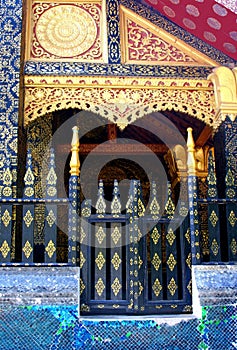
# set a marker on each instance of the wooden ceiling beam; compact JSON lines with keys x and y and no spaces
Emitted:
{"x":204,"y":136}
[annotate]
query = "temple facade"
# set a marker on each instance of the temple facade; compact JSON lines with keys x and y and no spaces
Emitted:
{"x":118,"y":174}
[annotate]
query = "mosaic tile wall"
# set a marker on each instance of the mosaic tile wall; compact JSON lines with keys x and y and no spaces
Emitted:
{"x":10,"y":40}
{"x":57,"y":327}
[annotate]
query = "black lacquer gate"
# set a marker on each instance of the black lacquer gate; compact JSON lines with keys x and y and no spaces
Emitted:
{"x":134,"y":263}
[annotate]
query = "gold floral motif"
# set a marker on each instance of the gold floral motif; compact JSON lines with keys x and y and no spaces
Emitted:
{"x":172,"y":286}
{"x":171,"y":262}
{"x":50,"y":249}
{"x":155,"y":235}
{"x":170,"y":237}
{"x":232,"y":218}
{"x":100,"y":234}
{"x":99,"y":286}
{"x":213,"y":218}
{"x":189,"y":286}
{"x":50,"y":218}
{"x":116,"y":261}
{"x":100,"y":260}
{"x":187,"y":235}
{"x":82,"y":235}
{"x":86,"y":212}
{"x":156,"y":261}
{"x":116,"y":286}
{"x":6,"y":218}
{"x":28,"y":218}
{"x":233,"y":246}
{"x":27,"y":249}
{"x":214,"y":247}
{"x":116,"y":234}
{"x":155,"y":95}
{"x":29,"y":177}
{"x":82,"y":259}
{"x":82,"y":286}
{"x":7,"y":177}
{"x":157,"y":288}
{"x":5,"y":249}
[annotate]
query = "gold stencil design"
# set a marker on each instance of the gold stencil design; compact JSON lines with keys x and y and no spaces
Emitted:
{"x":157,"y":288}
{"x":172,"y":286}
{"x":82,"y":235}
{"x":116,"y":286}
{"x":6,"y":218}
{"x":213,"y":218}
{"x":50,"y":249}
{"x":116,"y":261}
{"x":99,"y":286}
{"x":187,"y":235}
{"x":100,"y":260}
{"x":155,"y":235}
{"x":100,"y":234}
{"x":214,"y":247}
{"x":233,"y":246}
{"x":27,"y":249}
{"x":116,"y":235}
{"x":232,"y":218}
{"x":189,"y":286}
{"x":154,"y":208}
{"x":189,"y":260}
{"x":28,"y":218}
{"x":50,"y":218}
{"x":5,"y":249}
{"x":82,"y":286}
{"x":156,"y":261}
{"x":170,"y":237}
{"x":171,"y":262}
{"x":82,"y":260}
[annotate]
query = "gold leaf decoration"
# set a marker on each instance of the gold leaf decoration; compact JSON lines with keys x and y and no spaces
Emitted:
{"x":214,"y":247}
{"x":5,"y":249}
{"x":189,"y":260}
{"x":156,"y":261}
{"x":50,"y":249}
{"x":28,"y":218}
{"x":155,"y":235}
{"x":116,"y":261}
{"x":172,"y":286}
{"x":116,"y":235}
{"x":170,"y":237}
{"x":82,"y":235}
{"x":99,"y":286}
{"x":82,"y":259}
{"x":100,"y":260}
{"x":27,"y":249}
{"x":189,"y":286}
{"x":171,"y":262}
{"x":6,"y":218}
{"x":82,"y":286}
{"x":100,"y":234}
{"x":187,"y":235}
{"x":116,"y":286}
{"x":232,"y":218}
{"x":213,"y":218}
{"x":157,"y":288}
{"x":233,"y":246}
{"x":51,"y":219}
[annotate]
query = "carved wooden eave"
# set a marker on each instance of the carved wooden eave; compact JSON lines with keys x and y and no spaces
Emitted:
{"x":143,"y":42}
{"x":121,"y":100}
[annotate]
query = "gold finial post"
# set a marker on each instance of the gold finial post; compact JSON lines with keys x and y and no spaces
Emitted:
{"x":75,"y":162}
{"x":191,"y":151}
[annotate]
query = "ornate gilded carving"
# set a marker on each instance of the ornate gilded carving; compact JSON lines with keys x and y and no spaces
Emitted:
{"x":100,"y":260}
{"x":213,"y":218}
{"x":28,"y":218}
{"x":116,"y":286}
{"x":155,"y":235}
{"x":116,"y":99}
{"x":116,"y":261}
{"x":99,"y":286}
{"x":5,"y":249}
{"x":171,"y":262}
{"x":142,"y":41}
{"x":65,"y":31}
{"x":27,"y":249}
{"x":50,"y":249}
{"x":172,"y":286}
{"x":157,"y":287}
{"x":232,"y":218}
{"x":156,"y":261}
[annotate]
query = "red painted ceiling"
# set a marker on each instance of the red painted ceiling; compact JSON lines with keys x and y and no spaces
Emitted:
{"x":213,"y":21}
